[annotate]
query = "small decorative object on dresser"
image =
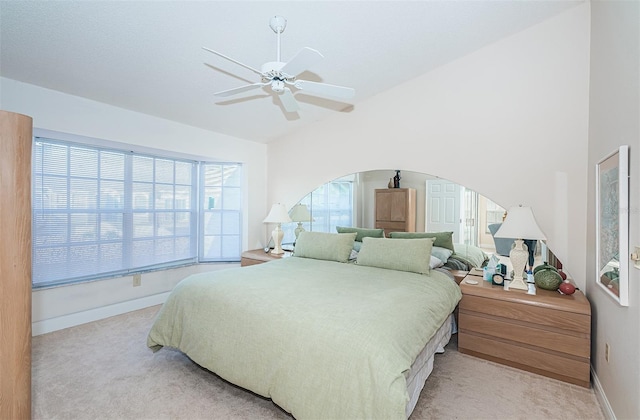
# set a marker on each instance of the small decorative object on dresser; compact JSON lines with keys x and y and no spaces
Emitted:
{"x":547,"y":277}
{"x":566,"y":288}
{"x":396,"y":180}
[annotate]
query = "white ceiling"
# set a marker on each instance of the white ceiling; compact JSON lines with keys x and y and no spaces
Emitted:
{"x":146,"y":56}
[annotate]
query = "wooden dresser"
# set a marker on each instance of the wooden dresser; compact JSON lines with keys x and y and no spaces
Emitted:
{"x":395,"y":210}
{"x":547,"y":333}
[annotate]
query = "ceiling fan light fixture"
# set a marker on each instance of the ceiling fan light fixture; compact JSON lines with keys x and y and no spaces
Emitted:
{"x":278,"y":73}
{"x":278,"y":24}
{"x":277,"y":86}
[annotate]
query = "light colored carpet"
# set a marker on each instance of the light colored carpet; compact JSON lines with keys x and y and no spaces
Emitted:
{"x":103,"y":370}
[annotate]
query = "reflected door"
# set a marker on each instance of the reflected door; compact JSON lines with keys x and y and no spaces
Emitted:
{"x":444,"y":214}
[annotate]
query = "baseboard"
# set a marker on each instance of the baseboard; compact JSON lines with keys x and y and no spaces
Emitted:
{"x":79,"y":318}
{"x":601,"y":396}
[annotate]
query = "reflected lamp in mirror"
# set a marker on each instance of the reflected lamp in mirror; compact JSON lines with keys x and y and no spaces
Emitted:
{"x":519,"y":224}
{"x":300,"y":213}
{"x":277,"y":215}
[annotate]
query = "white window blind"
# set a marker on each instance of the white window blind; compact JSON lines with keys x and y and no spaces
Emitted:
{"x":99,"y":212}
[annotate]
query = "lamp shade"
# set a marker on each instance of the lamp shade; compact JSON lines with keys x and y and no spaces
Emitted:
{"x":300,"y":213}
{"x":278,"y":214}
{"x":521,"y":224}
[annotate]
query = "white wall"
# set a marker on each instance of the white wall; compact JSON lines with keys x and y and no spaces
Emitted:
{"x":614,"y":120}
{"x":64,"y":113}
{"x":509,"y":121}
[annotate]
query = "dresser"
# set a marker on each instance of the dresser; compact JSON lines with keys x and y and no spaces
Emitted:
{"x":258,"y":256}
{"x":395,"y":210}
{"x":547,"y":333}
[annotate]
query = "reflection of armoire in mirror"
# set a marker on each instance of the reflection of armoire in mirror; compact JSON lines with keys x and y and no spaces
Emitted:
{"x":395,"y":210}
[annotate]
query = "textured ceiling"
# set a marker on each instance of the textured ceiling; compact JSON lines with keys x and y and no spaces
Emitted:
{"x":146,"y":56}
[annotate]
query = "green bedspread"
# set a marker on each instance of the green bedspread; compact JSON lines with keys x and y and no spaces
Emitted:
{"x":321,"y":339}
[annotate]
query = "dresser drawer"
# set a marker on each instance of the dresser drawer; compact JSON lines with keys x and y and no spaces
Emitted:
{"x":570,"y":343}
{"x":570,"y":369}
{"x":529,"y":313}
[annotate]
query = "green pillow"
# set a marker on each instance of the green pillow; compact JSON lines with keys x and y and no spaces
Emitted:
{"x":324,"y":246}
{"x":362,"y":232}
{"x":442,"y":239}
{"x":411,"y":255}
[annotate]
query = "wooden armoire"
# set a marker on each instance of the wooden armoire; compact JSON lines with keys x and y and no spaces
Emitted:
{"x":395,"y":210}
{"x":15,"y":265}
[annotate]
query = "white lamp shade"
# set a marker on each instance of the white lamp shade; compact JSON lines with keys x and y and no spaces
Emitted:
{"x":520,"y":224}
{"x":278,"y":214}
{"x":300,"y":213}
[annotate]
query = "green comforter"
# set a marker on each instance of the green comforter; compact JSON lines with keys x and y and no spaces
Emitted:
{"x":321,"y":339}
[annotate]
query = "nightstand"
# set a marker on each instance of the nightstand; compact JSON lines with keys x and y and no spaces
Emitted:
{"x":258,"y":256}
{"x":547,"y":333}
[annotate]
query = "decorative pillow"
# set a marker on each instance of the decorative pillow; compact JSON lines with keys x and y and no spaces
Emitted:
{"x":411,"y":255}
{"x":442,"y":253}
{"x":362,"y":232}
{"x":435,"y":262}
{"x":325,"y":246}
{"x":442,"y":239}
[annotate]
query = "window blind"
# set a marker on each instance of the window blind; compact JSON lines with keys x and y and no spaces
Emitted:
{"x":100,"y":212}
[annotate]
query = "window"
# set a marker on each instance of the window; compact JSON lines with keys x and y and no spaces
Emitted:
{"x":221,"y":215}
{"x":101,"y":212}
{"x":494,"y":214}
{"x":331,"y":205}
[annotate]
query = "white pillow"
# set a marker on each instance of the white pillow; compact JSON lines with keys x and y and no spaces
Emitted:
{"x":435,"y":262}
{"x":442,"y":254}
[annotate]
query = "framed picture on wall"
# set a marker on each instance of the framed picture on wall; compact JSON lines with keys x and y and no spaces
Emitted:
{"x":612,"y":224}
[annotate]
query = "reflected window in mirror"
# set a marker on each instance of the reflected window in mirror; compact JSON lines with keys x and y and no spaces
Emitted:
{"x":331,"y":205}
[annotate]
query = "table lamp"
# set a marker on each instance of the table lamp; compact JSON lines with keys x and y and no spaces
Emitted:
{"x":300,"y":213}
{"x":519,"y":224}
{"x":277,"y":215}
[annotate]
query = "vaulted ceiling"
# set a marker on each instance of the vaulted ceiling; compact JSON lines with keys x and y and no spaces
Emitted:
{"x":147,"y":56}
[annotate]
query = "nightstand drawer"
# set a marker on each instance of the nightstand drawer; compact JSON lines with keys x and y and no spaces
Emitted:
{"x":529,"y":313}
{"x":569,"y":369}
{"x":570,"y":343}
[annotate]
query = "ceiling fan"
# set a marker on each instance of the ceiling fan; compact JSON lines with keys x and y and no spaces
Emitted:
{"x":280,"y":76}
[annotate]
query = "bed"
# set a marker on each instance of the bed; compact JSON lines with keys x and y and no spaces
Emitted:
{"x":321,"y":336}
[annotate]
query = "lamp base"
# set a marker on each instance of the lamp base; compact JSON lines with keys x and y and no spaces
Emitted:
{"x":519,"y":256}
{"x":277,"y":236}
{"x":298,"y":230}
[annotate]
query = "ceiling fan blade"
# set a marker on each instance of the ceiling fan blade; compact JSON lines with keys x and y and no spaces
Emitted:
{"x":233,"y":61}
{"x":240,"y":89}
{"x":288,"y":101}
{"x":300,"y":62}
{"x":325,"y":89}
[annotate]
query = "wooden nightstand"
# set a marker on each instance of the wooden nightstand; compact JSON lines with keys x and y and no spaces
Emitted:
{"x":258,"y":256}
{"x":547,"y":333}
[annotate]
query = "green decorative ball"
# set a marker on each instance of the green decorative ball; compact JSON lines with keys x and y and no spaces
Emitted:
{"x":544,"y":266}
{"x":548,"y":279}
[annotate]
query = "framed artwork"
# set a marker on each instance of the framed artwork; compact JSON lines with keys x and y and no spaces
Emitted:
{"x":612,"y":225}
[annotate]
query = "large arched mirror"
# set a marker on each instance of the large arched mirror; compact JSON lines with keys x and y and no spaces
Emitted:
{"x":439,"y":205}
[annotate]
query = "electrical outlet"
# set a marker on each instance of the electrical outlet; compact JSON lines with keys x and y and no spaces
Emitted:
{"x":137,"y":280}
{"x":606,"y":352}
